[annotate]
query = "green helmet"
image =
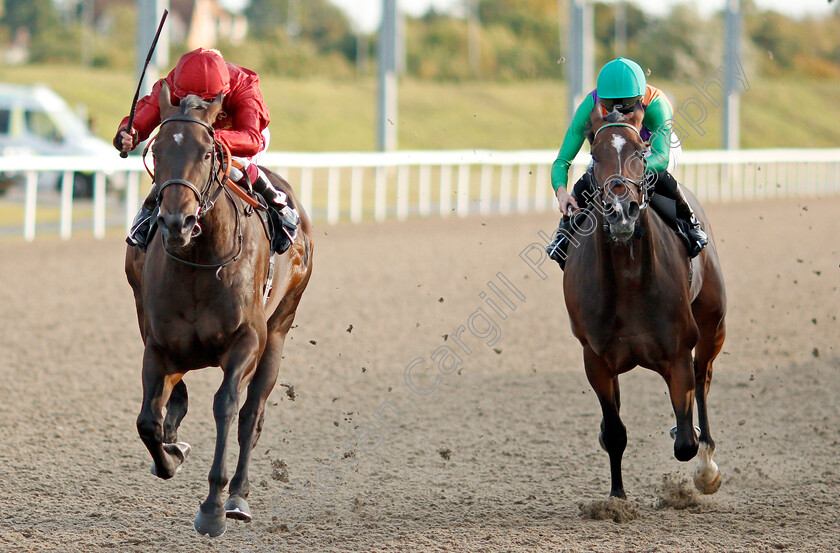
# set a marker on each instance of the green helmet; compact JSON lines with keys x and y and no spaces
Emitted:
{"x":621,"y":78}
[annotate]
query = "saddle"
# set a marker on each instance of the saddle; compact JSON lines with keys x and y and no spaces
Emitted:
{"x":667,"y":209}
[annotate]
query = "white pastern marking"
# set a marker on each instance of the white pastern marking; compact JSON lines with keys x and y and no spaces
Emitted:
{"x":179,"y":138}
{"x":707,"y":469}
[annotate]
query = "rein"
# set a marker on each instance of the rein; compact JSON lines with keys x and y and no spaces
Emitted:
{"x":218,"y":175}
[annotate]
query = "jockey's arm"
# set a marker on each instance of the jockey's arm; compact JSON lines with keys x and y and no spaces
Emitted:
{"x":146,"y":117}
{"x":659,"y":118}
{"x":572,"y":142}
{"x":244,"y":138}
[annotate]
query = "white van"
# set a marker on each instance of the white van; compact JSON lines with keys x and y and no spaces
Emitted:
{"x":36,"y":120}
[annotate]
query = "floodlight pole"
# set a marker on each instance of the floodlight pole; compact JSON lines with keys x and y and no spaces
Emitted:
{"x":731,"y":112}
{"x":579,"y":59}
{"x":620,"y":29}
{"x":387,"y":61}
{"x":148,"y":17}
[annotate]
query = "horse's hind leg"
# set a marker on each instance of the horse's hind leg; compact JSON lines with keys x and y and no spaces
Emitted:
{"x":613,"y":435}
{"x":251,"y":418}
{"x":176,"y":410}
{"x":157,"y":389}
{"x":707,"y":477}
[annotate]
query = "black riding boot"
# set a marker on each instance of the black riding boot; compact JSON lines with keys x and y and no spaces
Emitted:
{"x":283,"y":216}
{"x":139,"y":233}
{"x":559,"y":245}
{"x":668,"y":186}
{"x":696,"y":236}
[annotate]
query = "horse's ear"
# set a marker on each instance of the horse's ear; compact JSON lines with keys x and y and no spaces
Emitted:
{"x":638,"y":115}
{"x":165,"y":104}
{"x":596,"y":118}
{"x":214,"y":108}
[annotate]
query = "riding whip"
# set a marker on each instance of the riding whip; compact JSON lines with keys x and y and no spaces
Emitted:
{"x":142,"y":76}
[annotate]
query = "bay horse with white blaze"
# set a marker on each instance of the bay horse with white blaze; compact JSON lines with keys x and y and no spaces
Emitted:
{"x":635,"y":299}
{"x":208,"y":294}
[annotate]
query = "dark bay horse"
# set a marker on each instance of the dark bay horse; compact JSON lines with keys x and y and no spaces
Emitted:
{"x":634,"y":299}
{"x":202,"y":297}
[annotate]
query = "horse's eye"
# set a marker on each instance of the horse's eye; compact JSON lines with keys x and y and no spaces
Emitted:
{"x":208,"y":155}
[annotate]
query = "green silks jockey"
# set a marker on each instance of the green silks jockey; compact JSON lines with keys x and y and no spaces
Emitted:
{"x":622,"y":87}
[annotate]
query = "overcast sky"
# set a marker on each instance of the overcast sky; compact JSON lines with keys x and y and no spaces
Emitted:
{"x":366,"y":13}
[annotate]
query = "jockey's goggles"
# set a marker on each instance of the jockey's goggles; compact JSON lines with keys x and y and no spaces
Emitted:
{"x":622,"y":105}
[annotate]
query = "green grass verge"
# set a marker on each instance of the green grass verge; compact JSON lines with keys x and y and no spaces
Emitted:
{"x":340,"y":115}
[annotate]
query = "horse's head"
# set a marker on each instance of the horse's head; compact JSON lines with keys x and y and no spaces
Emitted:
{"x":185,"y":164}
{"x":618,"y":168}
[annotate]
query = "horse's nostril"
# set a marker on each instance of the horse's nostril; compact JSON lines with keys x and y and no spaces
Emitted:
{"x":613,"y":214}
{"x":633,"y":210}
{"x":189,"y":223}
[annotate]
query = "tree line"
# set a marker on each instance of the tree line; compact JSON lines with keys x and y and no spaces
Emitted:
{"x":510,"y":39}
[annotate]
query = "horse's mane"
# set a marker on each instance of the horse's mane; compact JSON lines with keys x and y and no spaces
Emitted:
{"x":192,"y":102}
{"x":615,"y":117}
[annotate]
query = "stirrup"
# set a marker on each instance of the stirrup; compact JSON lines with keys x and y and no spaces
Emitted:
{"x":698,"y":240}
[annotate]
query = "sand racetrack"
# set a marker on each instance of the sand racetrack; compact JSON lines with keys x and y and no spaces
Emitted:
{"x":501,"y":456}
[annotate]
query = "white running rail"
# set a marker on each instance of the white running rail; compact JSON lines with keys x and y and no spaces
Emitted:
{"x":376,"y":186}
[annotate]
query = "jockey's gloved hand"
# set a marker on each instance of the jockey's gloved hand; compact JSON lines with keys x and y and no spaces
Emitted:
{"x":125,"y":141}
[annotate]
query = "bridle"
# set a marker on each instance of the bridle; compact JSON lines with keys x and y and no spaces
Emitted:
{"x":219,"y":175}
{"x":605,"y":190}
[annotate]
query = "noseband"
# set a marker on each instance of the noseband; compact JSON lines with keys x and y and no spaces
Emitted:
{"x":206,"y":200}
{"x":605,"y":189}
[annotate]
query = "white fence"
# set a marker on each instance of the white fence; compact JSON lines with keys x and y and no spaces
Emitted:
{"x":377,"y":186}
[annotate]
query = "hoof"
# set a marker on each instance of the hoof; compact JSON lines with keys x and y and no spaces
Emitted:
{"x":673,"y":432}
{"x":210,"y":525}
{"x":237,"y":508}
{"x":180,"y":450}
{"x":705,"y":483}
{"x":707,"y":477}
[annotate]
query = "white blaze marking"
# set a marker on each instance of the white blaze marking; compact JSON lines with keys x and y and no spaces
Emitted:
{"x":179,"y":138}
{"x":618,"y":143}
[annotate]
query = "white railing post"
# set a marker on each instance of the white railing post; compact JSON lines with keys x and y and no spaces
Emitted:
{"x":380,"y":208}
{"x":542,"y":185}
{"x":66,"y":204}
{"x":485,"y":199}
{"x":30,"y":208}
{"x":463,"y":190}
{"x":402,"y":193}
{"x":425,"y":190}
{"x":505,"y":188}
{"x":131,"y":198}
{"x":445,"y":190}
{"x":333,"y":196}
{"x":356,"y":209}
{"x":99,"y":205}
{"x":306,"y":190}
{"x":522,"y":196}
{"x":715,"y":176}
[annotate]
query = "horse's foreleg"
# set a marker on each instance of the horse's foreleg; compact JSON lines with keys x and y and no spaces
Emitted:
{"x":157,"y":389}
{"x":680,"y":379}
{"x":251,"y":419}
{"x":210,"y":520}
{"x":707,"y":477}
{"x":613,"y":436}
{"x":176,"y":410}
